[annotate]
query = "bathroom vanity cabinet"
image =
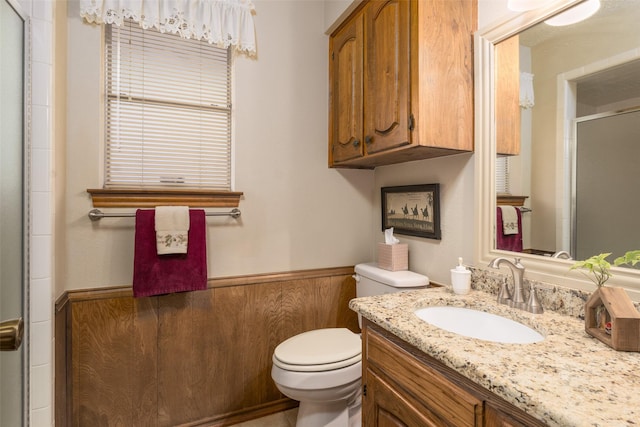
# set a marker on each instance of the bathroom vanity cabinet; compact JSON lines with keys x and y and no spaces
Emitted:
{"x":401,"y":82}
{"x":405,"y":387}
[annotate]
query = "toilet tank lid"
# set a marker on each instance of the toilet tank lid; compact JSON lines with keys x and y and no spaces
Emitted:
{"x":397,"y":279}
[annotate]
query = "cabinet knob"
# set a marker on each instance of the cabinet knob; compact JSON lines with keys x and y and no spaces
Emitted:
{"x":368,"y":139}
{"x":356,"y":143}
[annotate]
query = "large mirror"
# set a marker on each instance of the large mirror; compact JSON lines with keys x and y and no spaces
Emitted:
{"x":558,"y":111}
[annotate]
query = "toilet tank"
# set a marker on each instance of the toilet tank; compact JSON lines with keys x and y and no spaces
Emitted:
{"x":371,"y":280}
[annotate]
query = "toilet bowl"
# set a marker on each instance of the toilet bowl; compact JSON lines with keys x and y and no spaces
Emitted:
{"x":322,"y":368}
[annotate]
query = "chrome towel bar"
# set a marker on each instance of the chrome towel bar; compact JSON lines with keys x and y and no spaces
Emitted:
{"x":97,"y":214}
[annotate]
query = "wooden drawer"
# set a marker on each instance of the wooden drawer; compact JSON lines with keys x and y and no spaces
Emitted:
{"x":454,"y":405}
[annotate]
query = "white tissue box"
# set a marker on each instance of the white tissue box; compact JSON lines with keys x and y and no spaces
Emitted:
{"x":393,"y":257}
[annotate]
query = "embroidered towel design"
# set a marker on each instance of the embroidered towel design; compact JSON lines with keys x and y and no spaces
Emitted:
{"x":155,"y":274}
{"x":509,"y":220}
{"x":172,"y":229}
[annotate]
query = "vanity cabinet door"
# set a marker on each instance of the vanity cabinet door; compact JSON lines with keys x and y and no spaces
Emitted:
{"x":345,"y":82}
{"x":387,"y":81}
{"x":386,"y":406}
{"x":406,"y":389}
{"x":495,"y":418}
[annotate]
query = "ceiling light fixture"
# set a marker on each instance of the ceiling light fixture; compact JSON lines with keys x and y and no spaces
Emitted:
{"x":576,"y":14}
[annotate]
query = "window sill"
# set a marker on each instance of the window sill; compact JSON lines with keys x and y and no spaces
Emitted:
{"x":148,"y":198}
{"x":507,"y":199}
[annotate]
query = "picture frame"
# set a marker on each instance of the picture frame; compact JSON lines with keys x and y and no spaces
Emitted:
{"x":413,"y":210}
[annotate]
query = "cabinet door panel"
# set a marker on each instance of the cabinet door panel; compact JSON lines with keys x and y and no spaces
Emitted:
{"x":496,"y":418}
{"x":444,"y":398}
{"x":508,"y":96}
{"x":346,"y":92}
{"x":387,"y":29}
{"x":386,"y":407}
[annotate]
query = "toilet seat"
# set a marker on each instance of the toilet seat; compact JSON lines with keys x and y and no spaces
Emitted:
{"x":319,"y":350}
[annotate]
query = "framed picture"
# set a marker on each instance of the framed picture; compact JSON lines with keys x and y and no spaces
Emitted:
{"x":413,"y":210}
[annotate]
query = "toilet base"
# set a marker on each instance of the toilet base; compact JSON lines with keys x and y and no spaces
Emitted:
{"x":334,"y":414}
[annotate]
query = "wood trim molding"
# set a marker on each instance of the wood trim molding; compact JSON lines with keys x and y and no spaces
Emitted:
{"x":88,"y":294}
{"x":145,"y":198}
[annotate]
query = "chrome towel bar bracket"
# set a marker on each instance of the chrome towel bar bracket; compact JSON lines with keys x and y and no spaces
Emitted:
{"x":97,"y":214}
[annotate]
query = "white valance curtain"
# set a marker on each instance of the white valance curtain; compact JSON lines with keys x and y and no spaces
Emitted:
{"x":221,"y":22}
{"x":527,"y":98}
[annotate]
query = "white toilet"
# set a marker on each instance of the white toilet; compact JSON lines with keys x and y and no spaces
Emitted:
{"x":322,"y":369}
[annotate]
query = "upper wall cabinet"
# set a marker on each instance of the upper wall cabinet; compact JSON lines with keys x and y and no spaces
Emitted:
{"x":401,"y":82}
{"x":507,"y":57}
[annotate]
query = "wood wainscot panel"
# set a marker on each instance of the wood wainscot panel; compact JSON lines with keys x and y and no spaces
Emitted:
{"x":196,"y":358}
{"x":114,"y":354}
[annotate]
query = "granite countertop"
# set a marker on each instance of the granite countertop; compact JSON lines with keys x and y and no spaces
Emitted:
{"x":568,"y":379}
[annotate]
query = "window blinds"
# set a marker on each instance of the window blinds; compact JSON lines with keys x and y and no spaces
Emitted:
{"x":502,"y":175}
{"x":168,"y":111}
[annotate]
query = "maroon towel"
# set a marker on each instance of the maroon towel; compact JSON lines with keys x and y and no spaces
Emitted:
{"x":155,"y":274}
{"x":510,"y":242}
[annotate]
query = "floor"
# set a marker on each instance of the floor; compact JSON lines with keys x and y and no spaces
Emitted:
{"x":280,"y":419}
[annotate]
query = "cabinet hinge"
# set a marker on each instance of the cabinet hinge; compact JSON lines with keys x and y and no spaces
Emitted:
{"x":364,"y":389}
{"x":332,"y":56}
{"x":412,"y":122}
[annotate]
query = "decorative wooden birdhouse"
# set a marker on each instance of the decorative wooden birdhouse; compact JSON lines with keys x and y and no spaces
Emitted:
{"x":611,"y":317}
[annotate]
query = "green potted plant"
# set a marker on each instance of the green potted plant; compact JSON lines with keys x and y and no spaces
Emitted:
{"x":609,"y":313}
{"x":629,"y":258}
{"x":598,"y":268}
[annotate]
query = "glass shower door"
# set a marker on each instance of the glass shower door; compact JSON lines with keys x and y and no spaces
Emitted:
{"x":12,"y":359}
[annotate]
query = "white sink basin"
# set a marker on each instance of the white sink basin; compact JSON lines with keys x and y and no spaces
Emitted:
{"x":478,"y":324}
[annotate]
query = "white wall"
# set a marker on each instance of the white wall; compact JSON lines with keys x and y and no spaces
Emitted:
{"x":435,"y":258}
{"x":296,"y":212}
{"x":335,"y":11}
{"x":491,"y":11}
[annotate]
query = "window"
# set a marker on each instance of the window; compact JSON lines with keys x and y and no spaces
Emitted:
{"x":502,"y":175}
{"x":168,"y":111}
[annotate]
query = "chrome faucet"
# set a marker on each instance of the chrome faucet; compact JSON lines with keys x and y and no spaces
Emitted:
{"x":517,"y":300}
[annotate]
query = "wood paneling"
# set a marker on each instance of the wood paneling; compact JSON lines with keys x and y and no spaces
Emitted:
{"x":196,"y":358}
{"x":417,"y":92}
{"x":387,"y":75}
{"x":346,"y":56}
{"x":109,"y":333}
{"x":507,"y":54}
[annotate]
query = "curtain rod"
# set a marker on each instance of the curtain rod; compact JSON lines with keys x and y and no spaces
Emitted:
{"x":97,"y":214}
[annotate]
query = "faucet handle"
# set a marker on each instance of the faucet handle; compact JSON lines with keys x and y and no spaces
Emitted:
{"x":504,"y":296}
{"x":533,"y":304}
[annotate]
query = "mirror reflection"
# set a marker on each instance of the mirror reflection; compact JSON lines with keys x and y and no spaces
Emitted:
{"x":568,"y":135}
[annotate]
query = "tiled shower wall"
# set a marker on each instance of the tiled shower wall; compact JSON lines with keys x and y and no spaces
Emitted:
{"x":41,"y":214}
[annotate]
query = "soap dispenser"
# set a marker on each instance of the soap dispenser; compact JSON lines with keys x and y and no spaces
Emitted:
{"x":461,"y":279}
